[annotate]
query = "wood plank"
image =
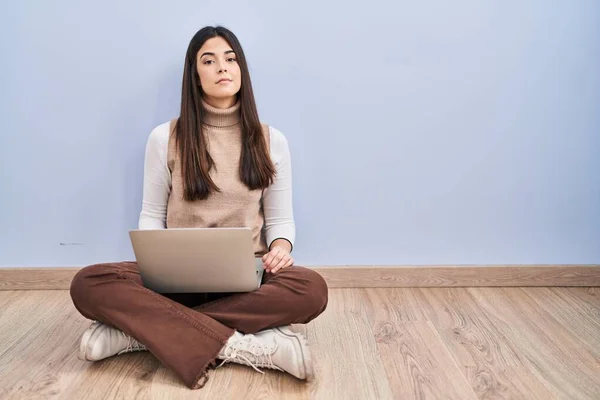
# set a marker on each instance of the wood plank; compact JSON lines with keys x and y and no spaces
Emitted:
{"x":119,"y":377}
{"x":39,"y":347}
{"x":491,"y":365}
{"x":370,"y":276}
{"x":588,"y":297}
{"x":417,"y":363}
{"x":347,"y":361}
{"x":570,"y":315}
{"x":22,"y":317}
{"x":529,"y":384}
{"x":551,"y":352}
{"x":412,"y":306}
{"x":10,"y":296}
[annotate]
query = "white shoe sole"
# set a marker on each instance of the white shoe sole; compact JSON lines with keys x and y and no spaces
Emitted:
{"x":307,"y":360}
{"x":85,"y":340}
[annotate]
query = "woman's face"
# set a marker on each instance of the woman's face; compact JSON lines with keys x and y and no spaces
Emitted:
{"x":219,"y":72}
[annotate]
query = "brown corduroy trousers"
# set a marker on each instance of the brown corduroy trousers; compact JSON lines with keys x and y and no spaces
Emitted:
{"x":186,"y":331}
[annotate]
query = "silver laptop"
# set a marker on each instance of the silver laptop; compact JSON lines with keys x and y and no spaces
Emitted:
{"x":197,"y":260}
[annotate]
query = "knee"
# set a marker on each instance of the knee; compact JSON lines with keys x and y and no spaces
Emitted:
{"x":84,"y":285}
{"x":316,"y":293}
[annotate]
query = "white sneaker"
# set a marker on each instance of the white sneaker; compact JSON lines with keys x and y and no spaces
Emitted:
{"x":277,"y":348}
{"x":101,"y":341}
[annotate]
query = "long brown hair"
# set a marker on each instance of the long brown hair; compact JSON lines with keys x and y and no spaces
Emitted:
{"x":256,"y":169}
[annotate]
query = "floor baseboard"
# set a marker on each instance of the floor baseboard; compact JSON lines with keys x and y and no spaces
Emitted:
{"x":370,"y":276}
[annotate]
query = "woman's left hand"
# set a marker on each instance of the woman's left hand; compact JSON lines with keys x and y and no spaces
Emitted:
{"x":277,"y":259}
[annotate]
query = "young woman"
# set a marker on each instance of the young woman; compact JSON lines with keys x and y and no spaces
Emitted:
{"x":214,"y":166}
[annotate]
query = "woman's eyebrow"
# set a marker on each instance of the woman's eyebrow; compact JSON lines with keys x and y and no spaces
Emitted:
{"x":208,"y":53}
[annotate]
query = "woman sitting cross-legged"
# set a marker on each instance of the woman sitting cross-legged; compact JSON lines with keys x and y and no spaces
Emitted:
{"x":215,"y":165}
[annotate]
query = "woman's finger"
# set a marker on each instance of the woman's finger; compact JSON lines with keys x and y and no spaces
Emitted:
{"x":270,"y":256}
{"x":282,"y":264}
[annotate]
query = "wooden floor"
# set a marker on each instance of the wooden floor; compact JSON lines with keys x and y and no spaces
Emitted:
{"x":476,"y":343}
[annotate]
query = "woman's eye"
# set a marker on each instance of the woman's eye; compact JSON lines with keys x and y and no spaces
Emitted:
{"x":231,"y":59}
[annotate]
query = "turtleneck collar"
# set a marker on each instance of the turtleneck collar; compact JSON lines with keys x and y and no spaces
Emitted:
{"x":221,"y":117}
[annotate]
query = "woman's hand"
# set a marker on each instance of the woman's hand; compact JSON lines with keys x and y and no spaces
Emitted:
{"x":278,"y":258}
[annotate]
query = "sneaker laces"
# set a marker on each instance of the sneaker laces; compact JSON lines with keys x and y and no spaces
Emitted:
{"x":133,"y":345}
{"x":249,"y":351}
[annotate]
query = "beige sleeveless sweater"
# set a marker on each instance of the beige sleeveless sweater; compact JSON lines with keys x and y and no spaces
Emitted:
{"x":235,"y":205}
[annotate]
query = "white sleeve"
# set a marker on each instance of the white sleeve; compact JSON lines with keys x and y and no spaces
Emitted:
{"x":277,"y":198}
{"x":157,"y":180}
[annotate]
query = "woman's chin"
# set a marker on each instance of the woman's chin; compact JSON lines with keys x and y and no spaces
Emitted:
{"x":222,"y":94}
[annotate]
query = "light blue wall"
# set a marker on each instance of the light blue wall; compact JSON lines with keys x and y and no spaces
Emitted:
{"x":427,"y":132}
